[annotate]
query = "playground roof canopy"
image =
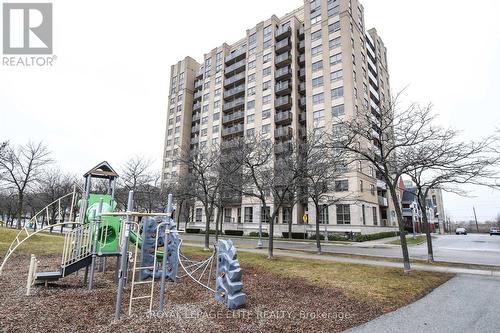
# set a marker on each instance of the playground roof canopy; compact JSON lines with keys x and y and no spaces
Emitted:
{"x":102,"y":170}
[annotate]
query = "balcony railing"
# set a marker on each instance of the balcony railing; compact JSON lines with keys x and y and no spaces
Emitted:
{"x":302,"y":45}
{"x":302,"y":87}
{"x":302,"y":117}
{"x":234,"y":79}
{"x":236,"y":55}
{"x":198,"y":84}
{"x":197,"y":95}
{"x":196,"y":117}
{"x":283,"y":32}
{"x":407,"y":212}
{"x":382,"y":201}
{"x":283,"y":73}
{"x":302,"y":73}
{"x":302,"y":59}
{"x":195,"y":129}
{"x":235,"y":92}
{"x":234,"y":104}
{"x":283,"y":102}
{"x":196,"y":106}
{"x":284,"y":117}
{"x":283,"y":46}
{"x":240,"y":115}
{"x":283,"y":88}
{"x":283,"y":133}
{"x":381,"y":184}
{"x":236,"y":68}
{"x":195,"y":140}
{"x":232,"y":130}
{"x":284,"y":59}
{"x":301,"y":33}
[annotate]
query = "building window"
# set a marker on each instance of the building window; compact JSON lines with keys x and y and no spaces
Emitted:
{"x":361,"y":187}
{"x":341,"y":185}
{"x":323,"y":214}
{"x":251,"y":91}
{"x":375,"y":217}
{"x":266,"y":128}
{"x":336,"y":76}
{"x":248,"y":215}
{"x":227,"y":215}
{"x":266,"y":71}
{"x":318,"y":98}
{"x":319,"y":116}
{"x":343,"y":214}
{"x":250,"y":118}
{"x":198,"y":215}
{"x":317,"y":66}
{"x":334,"y":27}
{"x":250,"y":132}
{"x":317,"y":82}
{"x":337,"y":92}
{"x":266,"y":114}
{"x":334,"y":43}
{"x":251,"y":78}
{"x":204,"y":120}
{"x":204,"y":132}
{"x":266,"y":58}
{"x":250,"y":105}
{"x":266,"y":99}
{"x":266,"y":85}
{"x":216,"y":116}
{"x":252,"y":51}
{"x":372,"y":189}
{"x":317,"y":18}
{"x":364,"y":214}
{"x":251,"y":64}
{"x":216,"y":104}
{"x":316,"y":35}
{"x":336,"y":59}
{"x":287,"y":215}
{"x":265,"y":213}
{"x":215,"y":129}
{"x":252,"y":39}
{"x":316,"y":50}
{"x":266,"y":44}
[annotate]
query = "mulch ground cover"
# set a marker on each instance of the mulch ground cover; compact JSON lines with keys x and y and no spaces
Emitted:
{"x":275,"y":304}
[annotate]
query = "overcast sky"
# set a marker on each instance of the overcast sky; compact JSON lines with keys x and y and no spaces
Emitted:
{"x":106,"y":96}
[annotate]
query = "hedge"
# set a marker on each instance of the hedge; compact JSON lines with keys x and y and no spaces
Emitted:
{"x":331,"y":237}
{"x":380,"y":235}
{"x":295,"y":235}
{"x":256,"y":234}
{"x":192,"y":231}
{"x":234,"y":232}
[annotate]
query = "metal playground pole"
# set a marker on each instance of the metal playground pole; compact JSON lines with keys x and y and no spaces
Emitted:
{"x":165,"y":256}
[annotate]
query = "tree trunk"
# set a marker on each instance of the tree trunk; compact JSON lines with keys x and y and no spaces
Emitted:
{"x":179,"y":210}
{"x":217,"y":224}
{"x":207,"y":229}
{"x":290,"y":229}
{"x":271,"y":237}
{"x":318,"y":241}
{"x":423,"y":207}
{"x":20,"y":209}
{"x":402,"y":232}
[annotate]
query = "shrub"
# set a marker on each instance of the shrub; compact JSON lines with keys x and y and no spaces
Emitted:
{"x":234,"y":232}
{"x":380,"y":235}
{"x":296,"y":235}
{"x":313,"y":236}
{"x":192,"y":231}
{"x":336,"y":237}
{"x":256,"y":234}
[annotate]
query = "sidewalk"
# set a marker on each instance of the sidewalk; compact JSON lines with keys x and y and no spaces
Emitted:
{"x":361,"y":261}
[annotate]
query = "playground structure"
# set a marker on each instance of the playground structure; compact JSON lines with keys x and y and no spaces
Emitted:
{"x":99,"y":232}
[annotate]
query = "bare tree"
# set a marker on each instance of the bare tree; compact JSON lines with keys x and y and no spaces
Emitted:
{"x":320,"y":166}
{"x":377,"y":136}
{"x":446,"y":162}
{"x":22,"y":167}
{"x":204,"y":180}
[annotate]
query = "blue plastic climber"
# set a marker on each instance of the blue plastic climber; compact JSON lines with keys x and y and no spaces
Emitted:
{"x":228,"y":283}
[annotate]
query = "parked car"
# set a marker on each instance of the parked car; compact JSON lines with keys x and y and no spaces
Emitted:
{"x":461,"y":231}
{"x":494,"y":231}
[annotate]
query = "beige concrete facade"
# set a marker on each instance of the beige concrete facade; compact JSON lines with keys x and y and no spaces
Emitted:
{"x":286,"y":76}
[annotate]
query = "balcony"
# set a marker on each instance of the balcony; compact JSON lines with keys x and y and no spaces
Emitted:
{"x":283,"y":103}
{"x":302,"y":45}
{"x":234,"y":80}
{"x":235,"y":92}
{"x":283,"y":148}
{"x":236,"y":68}
{"x":301,"y":33}
{"x":383,"y":202}
{"x":284,"y":59}
{"x":196,"y":117}
{"x":196,"y":106}
{"x":302,"y":59}
{"x":199,"y":74}
{"x":408,"y":212}
{"x":198,"y":84}
{"x":232,"y":130}
{"x":302,"y":102}
{"x":236,"y":56}
{"x":195,"y":129}
{"x":283,"y":46}
{"x":303,"y":133}
{"x":302,"y":117}
{"x":283,"y":118}
{"x":283,"y":88}
{"x":283,"y":73}
{"x":197,"y":95}
{"x":233,"y":117}
{"x":195,"y":140}
{"x":229,"y":106}
{"x":302,"y":88}
{"x":282,"y":33}
{"x":302,"y":73}
{"x":283,"y":133}
{"x":381,"y":184}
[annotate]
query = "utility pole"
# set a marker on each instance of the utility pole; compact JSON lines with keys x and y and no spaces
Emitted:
{"x":475,"y":217}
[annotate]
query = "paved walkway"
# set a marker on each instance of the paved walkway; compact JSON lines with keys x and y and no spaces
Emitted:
{"x":465,"y":304}
{"x":331,"y":258}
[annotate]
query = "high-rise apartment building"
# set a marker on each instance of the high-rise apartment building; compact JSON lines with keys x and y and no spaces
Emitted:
{"x":288,"y":75}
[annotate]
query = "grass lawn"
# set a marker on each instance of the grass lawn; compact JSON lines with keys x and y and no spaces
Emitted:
{"x":39,"y":244}
{"x":410,"y":240}
{"x":381,"y":285}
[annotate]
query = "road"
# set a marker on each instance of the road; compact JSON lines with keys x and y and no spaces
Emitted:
{"x":465,"y":304}
{"x":480,"y":249}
